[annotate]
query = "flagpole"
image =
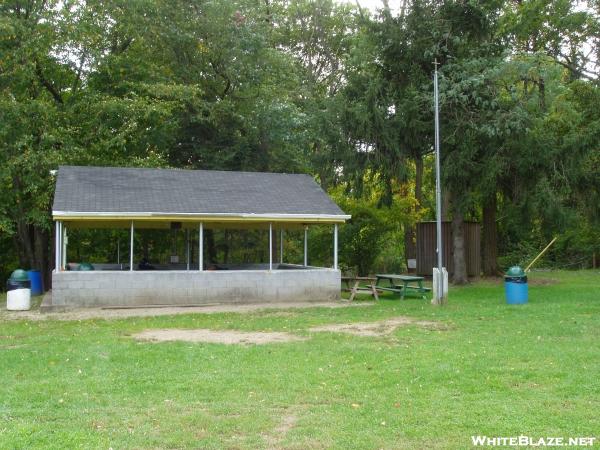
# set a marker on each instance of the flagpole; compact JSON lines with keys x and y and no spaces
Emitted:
{"x":438,"y":192}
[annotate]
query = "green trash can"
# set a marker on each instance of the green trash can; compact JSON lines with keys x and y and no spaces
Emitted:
{"x":515,"y":286}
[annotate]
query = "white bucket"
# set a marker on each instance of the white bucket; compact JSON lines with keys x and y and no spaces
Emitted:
{"x":18,"y":299}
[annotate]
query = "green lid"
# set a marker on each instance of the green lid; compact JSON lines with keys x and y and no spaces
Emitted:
{"x":85,"y":266}
{"x":515,"y":271}
{"x":19,"y":275}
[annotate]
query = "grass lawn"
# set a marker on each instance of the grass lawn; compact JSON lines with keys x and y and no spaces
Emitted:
{"x":495,"y":370}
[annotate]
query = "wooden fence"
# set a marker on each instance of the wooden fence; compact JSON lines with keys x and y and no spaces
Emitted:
{"x":426,"y":245}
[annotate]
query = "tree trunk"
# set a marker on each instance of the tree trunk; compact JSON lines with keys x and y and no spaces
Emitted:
{"x":321,"y":167}
{"x":210,"y":246}
{"x":445,"y":204}
{"x":542,"y":90}
{"x":458,"y":246}
{"x":226,"y":247}
{"x":323,"y":181}
{"x":263,"y":157}
{"x":490,"y":238}
{"x":410,"y":234}
{"x":274,"y":247}
{"x":146,"y":248}
{"x":419,"y":181}
{"x":23,"y":244}
{"x":42,"y":255}
{"x":33,"y":250}
{"x":410,"y":246}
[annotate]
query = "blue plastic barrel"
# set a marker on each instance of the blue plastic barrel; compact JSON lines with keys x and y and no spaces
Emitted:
{"x":515,"y":286}
{"x":35,"y":276}
{"x":517,"y":293}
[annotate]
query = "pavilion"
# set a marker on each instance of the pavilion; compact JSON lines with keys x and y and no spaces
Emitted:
{"x":192,"y":201}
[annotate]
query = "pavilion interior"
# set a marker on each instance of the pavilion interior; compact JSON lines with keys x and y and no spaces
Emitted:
{"x":165,"y":246}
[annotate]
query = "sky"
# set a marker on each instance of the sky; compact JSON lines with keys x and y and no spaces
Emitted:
{"x":373,"y":5}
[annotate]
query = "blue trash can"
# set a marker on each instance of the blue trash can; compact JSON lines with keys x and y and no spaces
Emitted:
{"x":515,"y":286}
{"x":35,"y":276}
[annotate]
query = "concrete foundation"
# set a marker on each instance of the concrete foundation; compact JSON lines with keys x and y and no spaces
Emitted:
{"x":137,"y":288}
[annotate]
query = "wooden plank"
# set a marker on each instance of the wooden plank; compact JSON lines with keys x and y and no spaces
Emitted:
{"x":357,"y":288}
{"x":359,"y":278}
{"x":426,"y":248}
{"x":417,"y":289}
{"x":379,"y":288}
{"x":391,"y":276}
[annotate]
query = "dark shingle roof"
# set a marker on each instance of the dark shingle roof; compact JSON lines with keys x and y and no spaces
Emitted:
{"x":173,"y":191}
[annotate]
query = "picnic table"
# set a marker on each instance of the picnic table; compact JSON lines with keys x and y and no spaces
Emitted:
{"x":402,"y":284}
{"x":367,"y":288}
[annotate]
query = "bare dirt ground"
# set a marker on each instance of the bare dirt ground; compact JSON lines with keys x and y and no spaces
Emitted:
{"x":216,"y":336}
{"x":542,"y":281}
{"x":370,"y":329}
{"x":275,"y":438}
{"x":376,"y":329}
{"x":122,"y":313}
{"x":531,"y":280}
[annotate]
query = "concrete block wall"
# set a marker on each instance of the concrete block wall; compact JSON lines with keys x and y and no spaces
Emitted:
{"x":137,"y":288}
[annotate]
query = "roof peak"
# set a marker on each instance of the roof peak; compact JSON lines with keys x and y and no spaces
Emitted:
{"x":182,"y":169}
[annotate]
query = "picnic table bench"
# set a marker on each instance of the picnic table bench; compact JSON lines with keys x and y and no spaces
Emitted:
{"x":402,"y":284}
{"x":367,"y":288}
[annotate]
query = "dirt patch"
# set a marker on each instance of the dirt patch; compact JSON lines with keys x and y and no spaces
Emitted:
{"x":217,"y":336}
{"x":532,"y":281}
{"x":11,"y":347}
{"x":108,"y":313}
{"x":542,"y":281}
{"x":275,"y":437}
{"x":284,"y":314}
{"x":376,"y":329}
{"x":287,"y":423}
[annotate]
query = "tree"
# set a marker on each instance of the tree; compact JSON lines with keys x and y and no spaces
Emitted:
{"x":389,"y":100}
{"x":60,"y":102}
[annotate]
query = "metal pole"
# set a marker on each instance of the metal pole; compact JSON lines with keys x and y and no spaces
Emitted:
{"x":281,"y":246}
{"x":131,"y":249}
{"x":438,"y":188}
{"x":201,"y":247}
{"x":270,"y":246}
{"x":64,"y":239}
{"x":118,"y":250}
{"x":335,"y":246}
{"x":60,"y":247}
{"x":57,"y":246}
{"x":187,"y":249}
{"x":305,"y":245}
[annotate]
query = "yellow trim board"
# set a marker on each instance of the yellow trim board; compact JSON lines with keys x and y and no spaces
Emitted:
{"x":205,"y":219}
